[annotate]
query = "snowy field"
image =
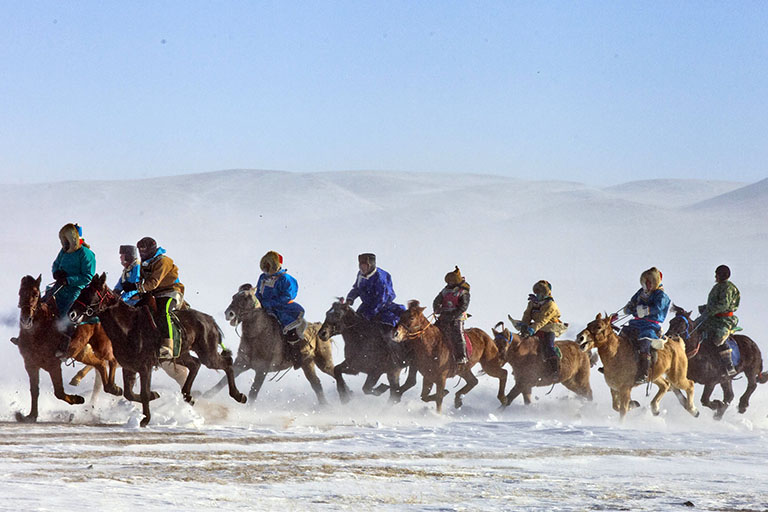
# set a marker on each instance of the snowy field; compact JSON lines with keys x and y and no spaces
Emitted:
{"x":284,"y":452}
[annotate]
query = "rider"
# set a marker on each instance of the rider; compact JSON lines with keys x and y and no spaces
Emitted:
{"x":649,"y":306}
{"x":542,"y":319}
{"x":718,"y":320}
{"x":276,"y":290}
{"x":129,"y":259}
{"x":374,"y":287}
{"x":73,"y":270}
{"x":450,"y":306}
{"x":159,"y":277}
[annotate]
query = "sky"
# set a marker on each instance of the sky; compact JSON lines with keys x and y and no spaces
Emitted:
{"x":594,"y":92}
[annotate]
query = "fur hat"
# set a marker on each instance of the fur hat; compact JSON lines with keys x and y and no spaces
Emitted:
{"x":542,"y":288}
{"x":69,"y":234}
{"x":367,"y":257}
{"x":454,"y":278}
{"x":129,"y":251}
{"x":722,"y":273}
{"x":271,"y":262}
{"x":653,"y":276}
{"x":147,"y":247}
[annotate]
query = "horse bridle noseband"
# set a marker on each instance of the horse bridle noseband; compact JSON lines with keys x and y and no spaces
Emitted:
{"x":89,"y":308}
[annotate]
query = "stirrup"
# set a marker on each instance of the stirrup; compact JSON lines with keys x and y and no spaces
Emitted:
{"x":164,"y":354}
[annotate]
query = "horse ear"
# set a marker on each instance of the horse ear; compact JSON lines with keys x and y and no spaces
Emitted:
{"x":599,"y":316}
{"x":614,"y":317}
{"x":495,"y":327}
{"x":39,"y":278}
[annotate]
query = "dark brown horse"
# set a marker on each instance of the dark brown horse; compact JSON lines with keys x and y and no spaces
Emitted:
{"x":620,"y":366}
{"x":135,"y":342}
{"x":261,"y":345}
{"x":531,"y":370}
{"x":704,"y":365}
{"x":433,"y":356}
{"x":39,"y":338}
{"x":366,"y":350}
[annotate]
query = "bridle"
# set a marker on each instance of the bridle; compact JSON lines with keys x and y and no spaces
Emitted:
{"x":412,"y":335}
{"x":95,"y":307}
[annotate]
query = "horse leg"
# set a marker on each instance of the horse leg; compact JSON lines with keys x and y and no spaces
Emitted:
{"x":409,"y":382}
{"x":78,"y":378}
{"x":426,"y":387}
{"x":495,"y":370}
{"x":663,"y":385}
{"x":309,"y":372}
{"x":34,"y":392}
{"x":58,"y":387}
{"x":103,"y":369}
{"x":393,"y":377}
{"x":341,"y":387}
{"x":439,"y":393}
{"x":516,"y":390}
{"x":192,"y":364}
{"x":145,"y":382}
{"x":720,"y":406}
{"x":112,"y":363}
{"x":371,"y":381}
{"x":471,"y":380}
{"x":238,"y":367}
{"x":207,"y":353}
{"x":623,"y":397}
{"x":751,"y":385}
{"x":258,"y":381}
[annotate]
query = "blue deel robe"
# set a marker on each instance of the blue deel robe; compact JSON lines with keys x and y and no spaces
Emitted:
{"x":377,"y":294}
{"x":277,"y":292}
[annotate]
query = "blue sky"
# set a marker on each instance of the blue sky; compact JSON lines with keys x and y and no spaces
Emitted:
{"x":597,"y":92}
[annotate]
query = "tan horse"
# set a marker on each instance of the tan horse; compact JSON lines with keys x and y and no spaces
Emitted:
{"x":434,"y":359}
{"x":618,"y":357}
{"x":531,"y":370}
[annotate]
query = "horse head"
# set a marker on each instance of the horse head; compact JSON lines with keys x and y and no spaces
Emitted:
{"x":597,"y":332}
{"x":412,"y":323}
{"x":339,"y":317}
{"x":93,"y":299}
{"x":680,"y":324}
{"x":502,"y":337}
{"x":243,"y":301}
{"x":29,"y":300}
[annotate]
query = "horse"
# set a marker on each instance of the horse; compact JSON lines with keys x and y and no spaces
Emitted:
{"x":39,"y":339}
{"x":367,"y":350}
{"x":135,"y":342}
{"x":176,"y":372}
{"x":704,"y":366}
{"x":531,"y":370}
{"x":620,"y":367}
{"x":434,"y":359}
{"x":262,"y":346}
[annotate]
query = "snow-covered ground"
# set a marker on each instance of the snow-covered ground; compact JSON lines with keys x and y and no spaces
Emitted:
{"x":285,"y":452}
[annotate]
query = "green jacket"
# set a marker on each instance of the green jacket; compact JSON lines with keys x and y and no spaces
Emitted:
{"x":80,"y":267}
{"x":723,"y":299}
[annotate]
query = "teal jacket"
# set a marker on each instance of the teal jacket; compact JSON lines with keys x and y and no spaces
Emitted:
{"x":80,"y":267}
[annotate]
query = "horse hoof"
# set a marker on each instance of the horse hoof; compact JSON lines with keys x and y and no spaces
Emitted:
{"x":743,"y":409}
{"x":634,"y":404}
{"x":655,"y":412}
{"x":25,"y":419}
{"x":77,"y":399}
{"x":117,"y":391}
{"x":240,"y":398}
{"x":188,"y":398}
{"x":154,"y":396}
{"x":457,"y":403}
{"x":144,"y":422}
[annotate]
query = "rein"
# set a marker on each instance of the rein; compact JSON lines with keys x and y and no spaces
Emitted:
{"x":89,"y":308}
{"x":411,"y":335}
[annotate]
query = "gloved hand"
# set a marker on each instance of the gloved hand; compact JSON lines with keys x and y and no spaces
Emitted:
{"x":61,"y":277}
{"x":129,"y":287}
{"x":642,"y":311}
{"x":628,"y":308}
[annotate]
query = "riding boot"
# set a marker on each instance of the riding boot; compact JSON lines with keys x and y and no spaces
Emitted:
{"x":643,"y":365}
{"x":727,"y":364}
{"x":294,"y":350}
{"x":461,"y":348}
{"x":166,"y":349}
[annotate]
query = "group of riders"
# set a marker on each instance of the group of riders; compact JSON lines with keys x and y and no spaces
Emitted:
{"x":150,"y":275}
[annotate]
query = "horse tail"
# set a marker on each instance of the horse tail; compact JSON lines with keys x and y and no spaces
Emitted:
{"x":225,"y":352}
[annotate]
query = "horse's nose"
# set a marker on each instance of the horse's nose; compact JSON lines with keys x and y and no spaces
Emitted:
{"x":397,"y":334}
{"x":229,"y":314}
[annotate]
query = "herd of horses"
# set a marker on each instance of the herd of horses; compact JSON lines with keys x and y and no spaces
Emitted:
{"x":111,"y":333}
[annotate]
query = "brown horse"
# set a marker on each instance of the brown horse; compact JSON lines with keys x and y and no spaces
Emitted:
{"x":262,"y":346}
{"x":135,"y":341}
{"x":531,"y":370}
{"x":434,"y":359}
{"x":704,"y":365}
{"x":620,"y":368}
{"x":39,"y":338}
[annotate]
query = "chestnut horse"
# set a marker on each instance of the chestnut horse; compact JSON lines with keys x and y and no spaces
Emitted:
{"x":433,"y":356}
{"x":366,"y":350}
{"x":135,"y":342}
{"x":620,"y":367}
{"x":531,"y":370}
{"x":39,"y":338}
{"x":704,"y":366}
{"x":261,"y":345}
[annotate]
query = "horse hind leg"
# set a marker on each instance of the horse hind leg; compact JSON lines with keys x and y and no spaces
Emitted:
{"x":309,"y":372}
{"x":751,"y":386}
{"x":472,"y":381}
{"x":192,"y":364}
{"x":58,"y":388}
{"x":341,"y":387}
{"x":79,"y":376}
{"x":238,"y":367}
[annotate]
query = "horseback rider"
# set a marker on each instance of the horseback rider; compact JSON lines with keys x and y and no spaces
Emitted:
{"x":717,"y":318}
{"x":73,"y":270}
{"x":649,"y":307}
{"x":451,"y":306}
{"x":159,"y":278}
{"x":542,"y":319}
{"x":276,"y":290}
{"x":374,"y":287}
{"x":129,"y":259}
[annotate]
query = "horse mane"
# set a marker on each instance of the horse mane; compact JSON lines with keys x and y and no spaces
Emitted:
{"x":412,"y":304}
